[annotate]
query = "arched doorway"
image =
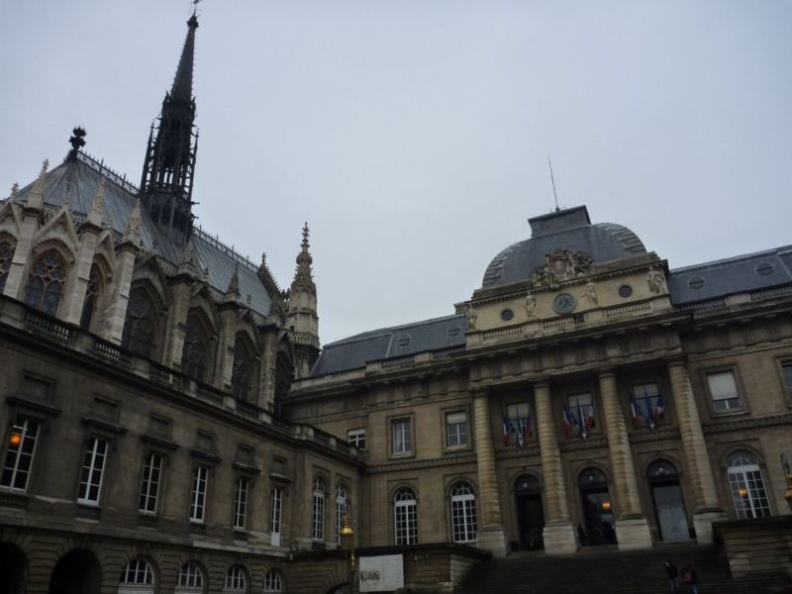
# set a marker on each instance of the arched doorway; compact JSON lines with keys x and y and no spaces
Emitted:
{"x":13,"y":569}
{"x":530,"y":512}
{"x":669,"y":506}
{"x":77,"y":572}
{"x":598,"y":522}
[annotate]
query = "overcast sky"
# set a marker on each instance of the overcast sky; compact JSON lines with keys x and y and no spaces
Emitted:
{"x":413,"y":135}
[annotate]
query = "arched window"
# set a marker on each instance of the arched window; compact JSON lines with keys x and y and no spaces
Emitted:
{"x":137,"y":578}
{"x":747,"y":486}
{"x":140,"y":327}
{"x":6,"y":255}
{"x":241,"y":375}
{"x":405,"y":515}
{"x":191,"y":579}
{"x":235,"y":580}
{"x":317,"y":531}
{"x":463,"y":513}
{"x":273,"y":582}
{"x":196,"y":349}
{"x":92,"y":293}
{"x":45,"y":285}
{"x":341,"y":509}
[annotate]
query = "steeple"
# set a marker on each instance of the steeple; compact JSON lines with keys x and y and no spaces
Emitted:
{"x":166,"y":184}
{"x":301,"y":313}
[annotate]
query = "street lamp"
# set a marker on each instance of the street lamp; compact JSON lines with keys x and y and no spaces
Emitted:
{"x":348,"y":544}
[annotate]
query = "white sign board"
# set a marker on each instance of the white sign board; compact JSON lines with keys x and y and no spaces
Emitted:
{"x":381,"y":574}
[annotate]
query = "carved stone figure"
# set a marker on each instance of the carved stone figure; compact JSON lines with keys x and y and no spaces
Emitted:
{"x":591,"y":293}
{"x":530,"y":305}
{"x":656,"y":281}
{"x":561,"y":265}
{"x":472,"y":317}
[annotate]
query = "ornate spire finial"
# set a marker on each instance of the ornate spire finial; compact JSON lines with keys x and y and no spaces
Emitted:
{"x":98,"y":205}
{"x":303,"y":276}
{"x":14,"y":191}
{"x":36,"y":199}
{"x":233,"y":285}
{"x":77,"y":141}
{"x":134,"y":227}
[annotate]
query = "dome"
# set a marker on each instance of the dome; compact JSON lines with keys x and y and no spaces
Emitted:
{"x":568,"y":229}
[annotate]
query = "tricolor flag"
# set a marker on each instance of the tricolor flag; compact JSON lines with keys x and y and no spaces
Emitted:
{"x":506,"y":438}
{"x":567,"y":421}
{"x":590,"y":417}
{"x":581,"y":422}
{"x":635,"y":413}
{"x":650,"y":420}
{"x":659,"y":410}
{"x":527,"y":426}
{"x":520,"y":436}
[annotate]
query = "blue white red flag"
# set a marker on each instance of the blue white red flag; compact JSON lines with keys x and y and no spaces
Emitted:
{"x":650,"y":420}
{"x":581,"y":422}
{"x":520,"y":436}
{"x":590,"y":417}
{"x":659,"y":410}
{"x":506,"y":437}
{"x":635,"y":413}
{"x":567,"y":422}
{"x":527,"y":430}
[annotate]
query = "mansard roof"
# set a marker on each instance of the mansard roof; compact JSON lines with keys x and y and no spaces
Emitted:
{"x":77,"y":181}
{"x":436,"y":335}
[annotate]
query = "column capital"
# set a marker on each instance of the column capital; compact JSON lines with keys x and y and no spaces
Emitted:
{"x":479,"y":392}
{"x":676,"y":361}
{"x":541,"y":382}
{"x":606,"y":372}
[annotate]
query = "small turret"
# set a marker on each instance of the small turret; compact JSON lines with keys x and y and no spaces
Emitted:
{"x":301,"y":313}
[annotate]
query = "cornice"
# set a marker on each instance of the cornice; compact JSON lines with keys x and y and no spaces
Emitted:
{"x":456,"y":460}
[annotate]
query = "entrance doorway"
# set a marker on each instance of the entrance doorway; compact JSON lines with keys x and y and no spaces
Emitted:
{"x":530,"y":512}
{"x":598,"y":526}
{"x":77,"y":572}
{"x":669,"y":506}
{"x":13,"y":569}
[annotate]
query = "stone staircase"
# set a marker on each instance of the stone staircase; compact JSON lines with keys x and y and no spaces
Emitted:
{"x":598,"y":571}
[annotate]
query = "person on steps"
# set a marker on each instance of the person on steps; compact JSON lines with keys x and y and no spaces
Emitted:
{"x":690,"y":578}
{"x":673,"y":576}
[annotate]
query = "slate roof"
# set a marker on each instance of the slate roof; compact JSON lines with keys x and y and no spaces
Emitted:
{"x":437,"y":335}
{"x":79,"y":181}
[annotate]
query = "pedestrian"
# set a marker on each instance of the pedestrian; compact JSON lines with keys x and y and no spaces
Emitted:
{"x":690,"y":578}
{"x":673,"y":576}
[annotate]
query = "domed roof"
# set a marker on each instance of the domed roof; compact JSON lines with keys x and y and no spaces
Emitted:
{"x":568,"y":229}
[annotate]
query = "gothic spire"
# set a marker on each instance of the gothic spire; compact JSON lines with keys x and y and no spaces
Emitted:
{"x":166,"y":184}
{"x":303,"y":277}
{"x":301,"y":312}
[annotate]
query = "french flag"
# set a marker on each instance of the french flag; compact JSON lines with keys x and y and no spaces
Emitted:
{"x":567,"y":422}
{"x":520,"y":435}
{"x":635,"y":414}
{"x":650,"y":420}
{"x":506,"y":438}
{"x":582,"y":422}
{"x":527,"y":427}
{"x":659,"y":410}
{"x":590,"y":417}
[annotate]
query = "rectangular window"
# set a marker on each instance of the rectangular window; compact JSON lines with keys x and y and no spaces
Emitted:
{"x":275,"y":516}
{"x":357,"y":438}
{"x":456,"y":429}
{"x":240,"y":502}
{"x":647,"y":406}
{"x":723,"y":389}
{"x":92,"y":471}
{"x":19,"y":456}
{"x":401,"y":434}
{"x":786,"y":368}
{"x":581,"y":409}
{"x":152,"y":470}
{"x":198,"y":499}
{"x":519,"y":422}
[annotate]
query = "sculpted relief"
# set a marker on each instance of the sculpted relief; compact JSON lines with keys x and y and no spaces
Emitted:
{"x":562,"y":265}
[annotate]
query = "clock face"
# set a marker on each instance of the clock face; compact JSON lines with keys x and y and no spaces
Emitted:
{"x":564,"y":303}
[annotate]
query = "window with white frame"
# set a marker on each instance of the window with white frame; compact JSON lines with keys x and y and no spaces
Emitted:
{"x":149,"y":488}
{"x":463,"y":513}
{"x":318,"y":518}
{"x":19,"y":455}
{"x":357,"y":438}
{"x":191,"y":579}
{"x":235,"y":580}
{"x":240,"y":502}
{"x":401,"y":436}
{"x":92,"y":471}
{"x":457,"y":432}
{"x":405,"y":515}
{"x":723,"y":389}
{"x":747,"y":486}
{"x":137,"y":577}
{"x":341,"y":509}
{"x":200,"y":485}
{"x":273,"y":582}
{"x":275,"y":515}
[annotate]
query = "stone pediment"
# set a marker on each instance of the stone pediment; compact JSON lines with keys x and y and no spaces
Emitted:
{"x":561,"y":266}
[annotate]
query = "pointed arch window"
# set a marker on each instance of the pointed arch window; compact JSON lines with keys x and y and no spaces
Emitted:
{"x":747,"y":486}
{"x":242,"y":373}
{"x":92,"y":294}
{"x":6,"y":255}
{"x":318,"y":527}
{"x":463,"y":513}
{"x":45,"y":285}
{"x":405,"y":508}
{"x":196,"y":349}
{"x":140,"y":327}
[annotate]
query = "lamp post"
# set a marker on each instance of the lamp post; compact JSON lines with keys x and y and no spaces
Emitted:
{"x":348,"y":544}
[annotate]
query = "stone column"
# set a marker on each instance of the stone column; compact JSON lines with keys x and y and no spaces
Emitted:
{"x":74,"y":298}
{"x":115,"y":316}
{"x":491,"y":534}
{"x":632,"y":529}
{"x":177,"y":321}
{"x":702,"y":480}
{"x":559,"y":535}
